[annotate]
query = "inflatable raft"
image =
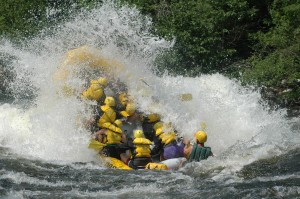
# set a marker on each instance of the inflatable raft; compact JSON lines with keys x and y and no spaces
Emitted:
{"x":89,"y":58}
{"x":111,"y":162}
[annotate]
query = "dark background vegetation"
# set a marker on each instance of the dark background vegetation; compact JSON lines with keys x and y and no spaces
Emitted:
{"x":254,"y":41}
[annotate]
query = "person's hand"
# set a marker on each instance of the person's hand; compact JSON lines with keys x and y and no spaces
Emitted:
{"x":102,"y":131}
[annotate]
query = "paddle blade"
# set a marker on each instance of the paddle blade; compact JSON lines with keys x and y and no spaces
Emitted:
{"x":185,"y":97}
{"x":203,"y":126}
{"x":115,"y":163}
{"x":94,"y":144}
{"x":147,"y":92}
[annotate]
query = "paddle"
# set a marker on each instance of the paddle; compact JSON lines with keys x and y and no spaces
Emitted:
{"x":182,"y":97}
{"x":185,"y":97}
{"x":94,"y":144}
{"x":203,"y":126}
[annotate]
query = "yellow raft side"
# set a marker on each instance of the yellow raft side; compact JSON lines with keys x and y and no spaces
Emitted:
{"x":115,"y":163}
{"x":118,"y":164}
{"x":108,"y":161}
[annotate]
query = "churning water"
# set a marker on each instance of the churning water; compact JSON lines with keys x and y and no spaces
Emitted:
{"x":44,"y":152}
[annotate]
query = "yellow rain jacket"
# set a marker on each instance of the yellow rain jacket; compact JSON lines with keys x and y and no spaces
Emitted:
{"x":153,"y":117}
{"x":167,"y":137}
{"x":114,"y":133}
{"x":108,"y":117}
{"x":123,"y":98}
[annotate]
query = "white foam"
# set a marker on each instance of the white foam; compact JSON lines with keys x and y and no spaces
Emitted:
{"x":19,"y":178}
{"x":240,"y":129}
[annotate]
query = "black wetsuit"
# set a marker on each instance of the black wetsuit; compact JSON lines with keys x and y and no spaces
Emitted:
{"x":114,"y":150}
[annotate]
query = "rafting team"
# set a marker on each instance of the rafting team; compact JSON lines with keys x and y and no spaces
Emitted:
{"x":140,"y":141}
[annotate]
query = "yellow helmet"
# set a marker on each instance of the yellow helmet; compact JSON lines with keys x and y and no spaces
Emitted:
{"x":123,"y":98}
{"x":85,"y":94}
{"x":95,"y":87}
{"x":130,"y":108}
{"x":201,"y":136}
{"x":94,"y":82}
{"x":153,"y":117}
{"x":138,"y":134}
{"x":103,"y":81}
{"x":129,"y":111}
{"x":118,"y":123}
{"x":110,"y":101}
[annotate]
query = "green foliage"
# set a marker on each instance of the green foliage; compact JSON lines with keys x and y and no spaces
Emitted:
{"x":273,"y":69}
{"x":21,"y":19}
{"x":276,"y":62}
{"x":21,"y":15}
{"x":209,"y":34}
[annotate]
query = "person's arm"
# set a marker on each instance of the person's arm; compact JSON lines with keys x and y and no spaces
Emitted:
{"x":186,"y":142}
{"x":124,"y":139}
{"x":100,"y":134}
{"x":182,"y":163}
{"x":188,"y":147}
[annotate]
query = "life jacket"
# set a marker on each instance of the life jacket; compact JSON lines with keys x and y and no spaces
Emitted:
{"x":114,"y":137}
{"x":166,"y":134}
{"x":142,"y":148}
{"x":167,"y":137}
{"x":108,"y":117}
{"x":152,"y":117}
{"x":199,"y":153}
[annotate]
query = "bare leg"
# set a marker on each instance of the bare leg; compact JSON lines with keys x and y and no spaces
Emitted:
{"x":124,"y":157}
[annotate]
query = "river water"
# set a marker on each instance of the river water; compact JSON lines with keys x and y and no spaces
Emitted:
{"x":44,"y":150}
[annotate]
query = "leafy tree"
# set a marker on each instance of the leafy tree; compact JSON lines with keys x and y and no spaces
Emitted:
{"x":209,"y":34}
{"x":21,"y":17}
{"x":276,"y":61}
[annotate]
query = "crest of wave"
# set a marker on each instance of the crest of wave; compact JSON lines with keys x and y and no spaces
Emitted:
{"x":241,"y":128}
{"x":48,"y":128}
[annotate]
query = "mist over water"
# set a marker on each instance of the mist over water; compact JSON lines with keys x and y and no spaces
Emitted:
{"x":240,"y":128}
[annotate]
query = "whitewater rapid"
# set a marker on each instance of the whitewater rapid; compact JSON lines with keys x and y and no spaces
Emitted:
{"x":241,"y":129}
